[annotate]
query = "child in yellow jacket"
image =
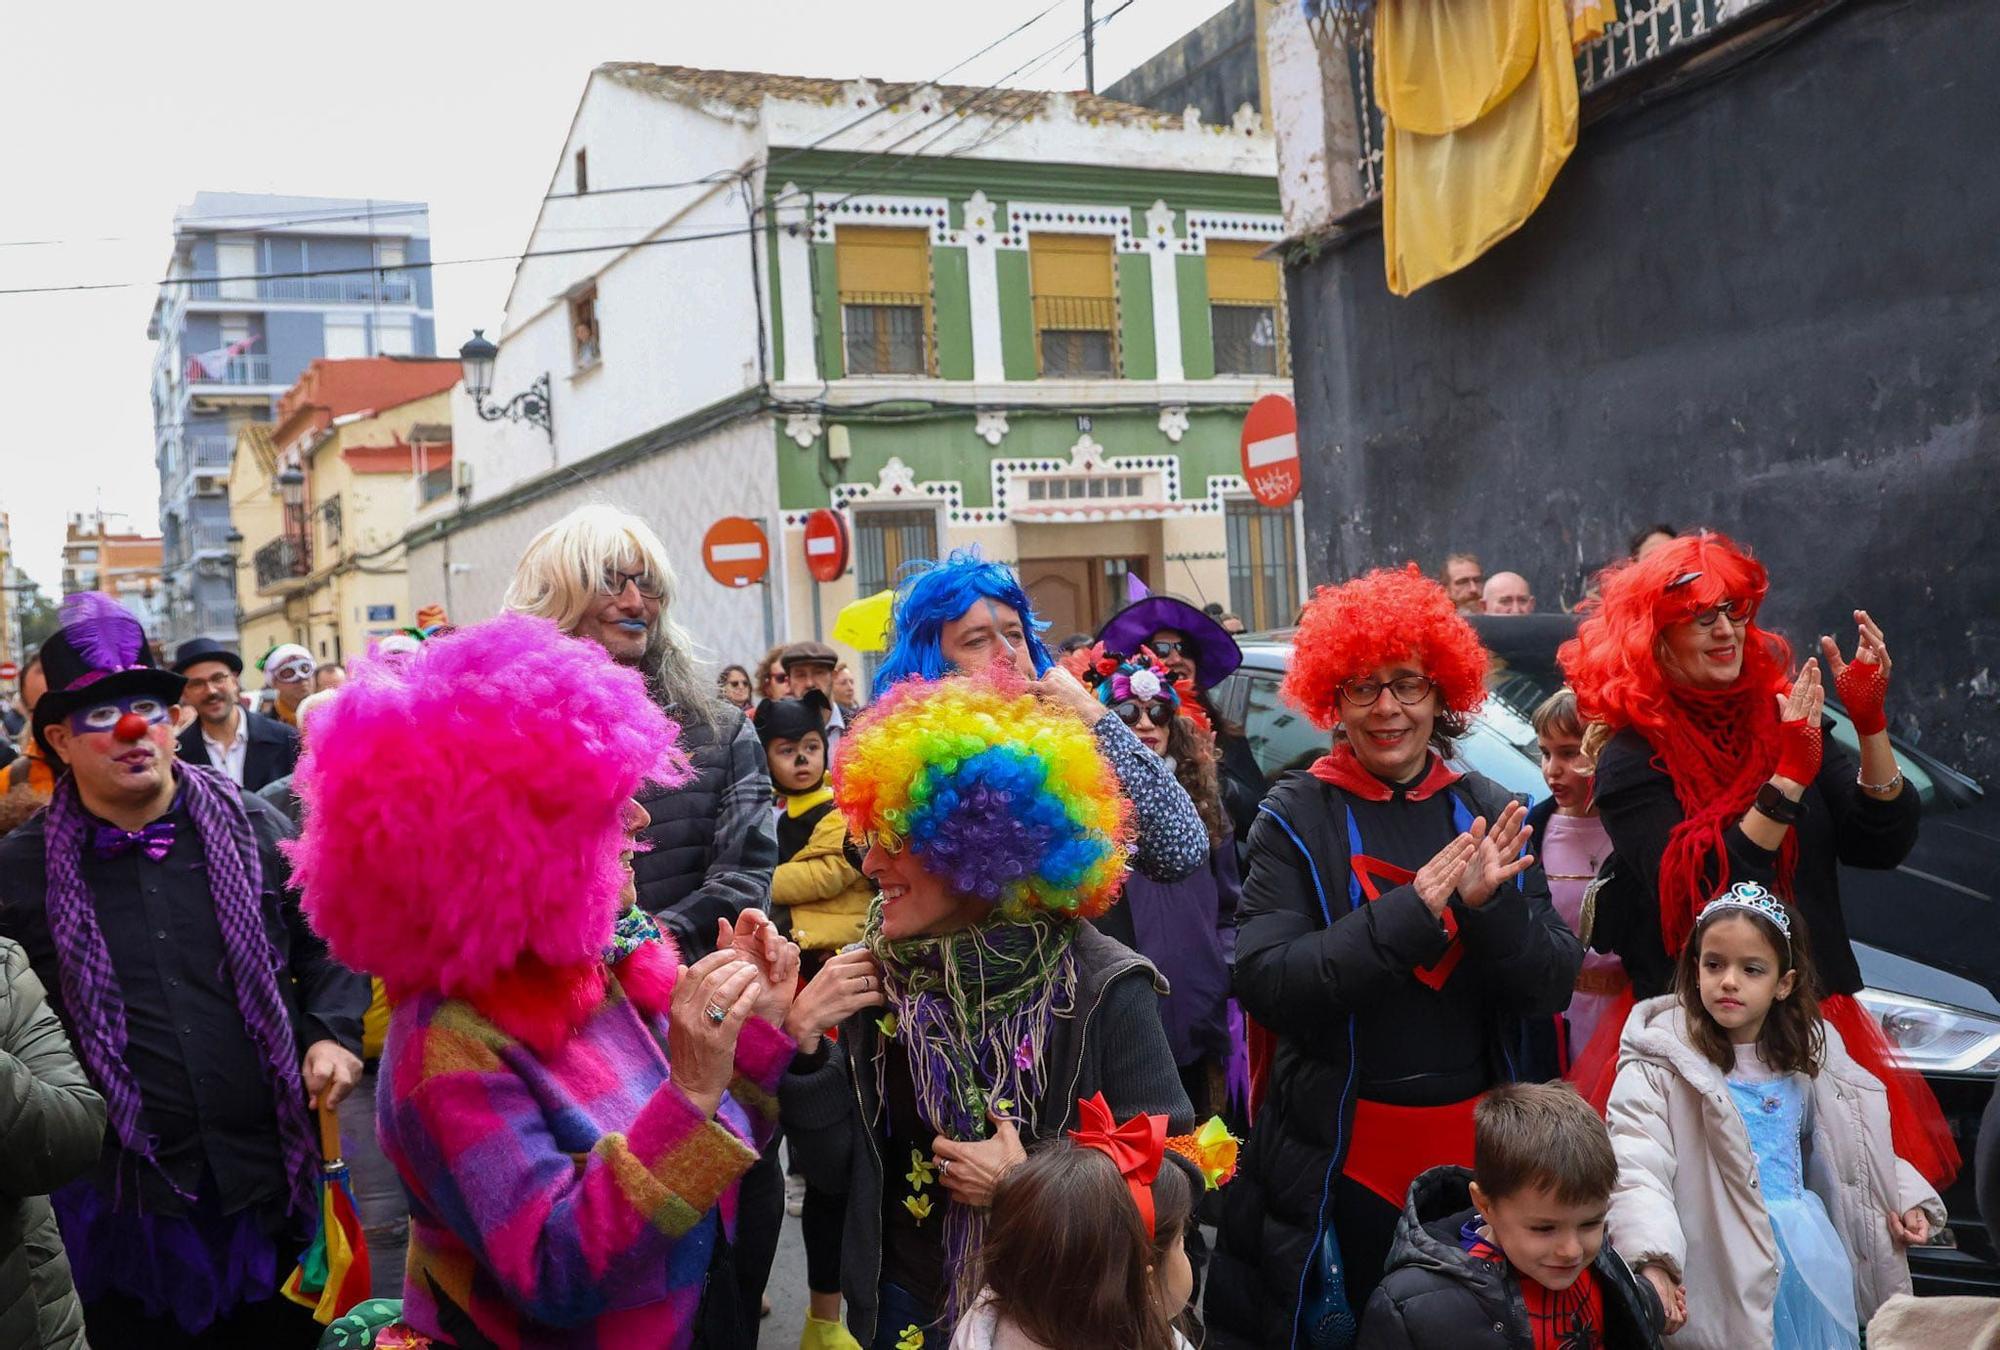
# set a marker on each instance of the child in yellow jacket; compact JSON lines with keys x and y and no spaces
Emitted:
{"x":819,"y":895}
{"x":816,"y":883}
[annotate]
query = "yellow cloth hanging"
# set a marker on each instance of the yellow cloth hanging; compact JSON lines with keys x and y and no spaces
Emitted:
{"x":1443,"y":64}
{"x":1448,"y":197}
{"x":1589,"y":18}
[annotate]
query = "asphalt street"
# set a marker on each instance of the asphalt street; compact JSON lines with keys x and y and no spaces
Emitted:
{"x":787,"y":1292}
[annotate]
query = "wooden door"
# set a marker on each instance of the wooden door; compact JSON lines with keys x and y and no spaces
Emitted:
{"x":1060,"y":590}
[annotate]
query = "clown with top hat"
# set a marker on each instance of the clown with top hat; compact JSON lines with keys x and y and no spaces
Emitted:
{"x":157,"y":909}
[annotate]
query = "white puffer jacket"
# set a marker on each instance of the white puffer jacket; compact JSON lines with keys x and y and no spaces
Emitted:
{"x":983,"y":1328}
{"x":1687,"y":1195}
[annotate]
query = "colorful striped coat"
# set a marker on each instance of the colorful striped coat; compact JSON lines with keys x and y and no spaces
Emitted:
{"x":564,"y":1200}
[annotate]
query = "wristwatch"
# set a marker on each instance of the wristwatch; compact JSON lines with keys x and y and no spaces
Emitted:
{"x":1777,"y":806}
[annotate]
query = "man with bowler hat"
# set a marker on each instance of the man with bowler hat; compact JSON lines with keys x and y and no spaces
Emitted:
{"x":251,"y":749}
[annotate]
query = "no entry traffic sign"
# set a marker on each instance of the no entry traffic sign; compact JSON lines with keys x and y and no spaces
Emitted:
{"x":735,"y":551}
{"x":826,"y":545}
{"x":1271,"y":450}
{"x":8,"y":670}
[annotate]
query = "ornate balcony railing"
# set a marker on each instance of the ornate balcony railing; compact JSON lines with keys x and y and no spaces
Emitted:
{"x":281,"y":562}
{"x":1645,"y":31}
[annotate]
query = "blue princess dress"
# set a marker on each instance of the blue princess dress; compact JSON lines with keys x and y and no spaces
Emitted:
{"x":1815,"y":1307}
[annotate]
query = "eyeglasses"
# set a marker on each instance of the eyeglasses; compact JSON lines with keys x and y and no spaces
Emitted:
{"x":885,"y":840}
{"x":1170,"y":648}
{"x":1157,"y":711}
{"x":613,"y":583}
{"x":1408,"y":689}
{"x":1736,"y":610}
{"x":220,"y":682}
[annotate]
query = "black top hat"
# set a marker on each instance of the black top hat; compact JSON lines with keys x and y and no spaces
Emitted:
{"x":100,"y":652}
{"x":205,"y":649}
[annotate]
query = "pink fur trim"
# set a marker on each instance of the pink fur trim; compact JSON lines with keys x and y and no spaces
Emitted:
{"x":462,"y":805}
{"x":648,"y":976}
{"x":539,"y":1006}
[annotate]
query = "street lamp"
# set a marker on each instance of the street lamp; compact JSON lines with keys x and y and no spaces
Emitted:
{"x":531,"y":405}
{"x":291,"y":490}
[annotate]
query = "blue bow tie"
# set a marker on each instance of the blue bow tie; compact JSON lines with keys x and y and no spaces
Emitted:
{"x":154,"y":840}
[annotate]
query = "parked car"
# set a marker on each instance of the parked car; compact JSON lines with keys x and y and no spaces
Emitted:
{"x":1925,"y":934}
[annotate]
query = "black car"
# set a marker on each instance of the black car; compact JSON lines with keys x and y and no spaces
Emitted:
{"x":1925,"y":934}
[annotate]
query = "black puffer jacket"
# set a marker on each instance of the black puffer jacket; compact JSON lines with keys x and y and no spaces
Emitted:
{"x":1331,"y":994}
{"x":1437,"y":1294}
{"x":712,"y":841}
{"x":51,"y":1124}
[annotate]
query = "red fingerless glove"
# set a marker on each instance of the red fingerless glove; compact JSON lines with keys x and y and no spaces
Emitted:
{"x":1863,"y":688}
{"x":1800,"y":746}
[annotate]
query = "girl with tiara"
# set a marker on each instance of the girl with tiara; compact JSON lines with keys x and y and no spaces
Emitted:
{"x":1758,"y":1188}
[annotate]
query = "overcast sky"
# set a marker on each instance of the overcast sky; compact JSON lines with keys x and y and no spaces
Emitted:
{"x":115,"y":115}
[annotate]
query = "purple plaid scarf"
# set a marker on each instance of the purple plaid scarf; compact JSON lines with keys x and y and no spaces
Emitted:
{"x":90,"y":986}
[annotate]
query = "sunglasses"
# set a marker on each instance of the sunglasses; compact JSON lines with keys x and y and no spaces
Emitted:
{"x":889,"y":842}
{"x":1159,"y":712}
{"x":1170,"y":648}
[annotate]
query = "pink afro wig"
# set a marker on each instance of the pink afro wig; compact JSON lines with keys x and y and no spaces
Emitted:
{"x":1377,"y":620}
{"x":462,"y":805}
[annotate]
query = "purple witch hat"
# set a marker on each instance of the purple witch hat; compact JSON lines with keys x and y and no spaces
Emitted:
{"x":98,"y":653}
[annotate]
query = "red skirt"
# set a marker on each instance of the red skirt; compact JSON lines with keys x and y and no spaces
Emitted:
{"x":1916,"y":1121}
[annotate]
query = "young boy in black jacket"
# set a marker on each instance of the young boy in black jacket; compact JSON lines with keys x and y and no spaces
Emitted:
{"x":1511,"y":1255}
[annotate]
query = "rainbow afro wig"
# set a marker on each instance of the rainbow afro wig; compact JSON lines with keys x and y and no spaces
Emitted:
{"x":462,"y":805}
{"x":1384,"y":618}
{"x":997,"y":794}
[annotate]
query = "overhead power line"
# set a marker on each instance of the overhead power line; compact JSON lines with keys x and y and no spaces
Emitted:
{"x":985,"y":94}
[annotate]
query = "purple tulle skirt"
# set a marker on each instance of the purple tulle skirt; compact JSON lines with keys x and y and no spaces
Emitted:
{"x":198,"y":1266}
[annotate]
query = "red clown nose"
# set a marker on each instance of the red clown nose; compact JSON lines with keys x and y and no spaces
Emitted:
{"x":131,"y":727}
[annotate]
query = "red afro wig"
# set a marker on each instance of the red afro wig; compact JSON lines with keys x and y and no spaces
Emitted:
{"x":462,"y":805}
{"x":1613,"y":662}
{"x":1377,"y":620}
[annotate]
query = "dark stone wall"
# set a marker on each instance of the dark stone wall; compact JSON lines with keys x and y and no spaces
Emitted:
{"x":1769,"y":305}
{"x":1213,"y":67}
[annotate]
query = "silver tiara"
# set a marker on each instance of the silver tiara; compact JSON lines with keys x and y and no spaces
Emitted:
{"x":1749,"y":895}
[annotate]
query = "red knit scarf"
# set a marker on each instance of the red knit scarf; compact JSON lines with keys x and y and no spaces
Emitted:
{"x":1718,"y":748}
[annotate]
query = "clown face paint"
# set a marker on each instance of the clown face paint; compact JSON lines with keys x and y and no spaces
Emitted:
{"x":108,"y":716}
{"x":121,"y":751}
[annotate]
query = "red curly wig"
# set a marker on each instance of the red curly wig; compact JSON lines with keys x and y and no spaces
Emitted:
{"x":1613,"y":663}
{"x":1717,"y":746}
{"x":1387,"y":616}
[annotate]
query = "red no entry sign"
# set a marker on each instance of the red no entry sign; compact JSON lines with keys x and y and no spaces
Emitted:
{"x":8,"y":670}
{"x":1271,"y":450}
{"x":826,"y":545}
{"x":735,"y":551}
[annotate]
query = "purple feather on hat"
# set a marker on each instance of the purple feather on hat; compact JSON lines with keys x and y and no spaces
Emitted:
{"x":104,"y":632}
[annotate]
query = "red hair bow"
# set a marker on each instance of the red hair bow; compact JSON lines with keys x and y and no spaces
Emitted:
{"x":1137,"y":1147}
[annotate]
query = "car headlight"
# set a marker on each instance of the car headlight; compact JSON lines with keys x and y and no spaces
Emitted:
{"x":1935,"y":1037}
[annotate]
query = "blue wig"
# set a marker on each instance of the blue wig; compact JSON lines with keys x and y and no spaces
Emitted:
{"x":931,"y":595}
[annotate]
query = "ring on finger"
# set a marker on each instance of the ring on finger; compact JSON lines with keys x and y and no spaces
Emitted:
{"x":715,"y":1014}
{"x":944,"y":1165}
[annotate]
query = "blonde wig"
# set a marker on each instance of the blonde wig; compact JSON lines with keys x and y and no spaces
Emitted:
{"x":559,"y":579}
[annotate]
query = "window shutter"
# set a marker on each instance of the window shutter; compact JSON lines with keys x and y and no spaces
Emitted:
{"x":1236,"y":275}
{"x":1071,"y":265}
{"x":882,"y":261}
